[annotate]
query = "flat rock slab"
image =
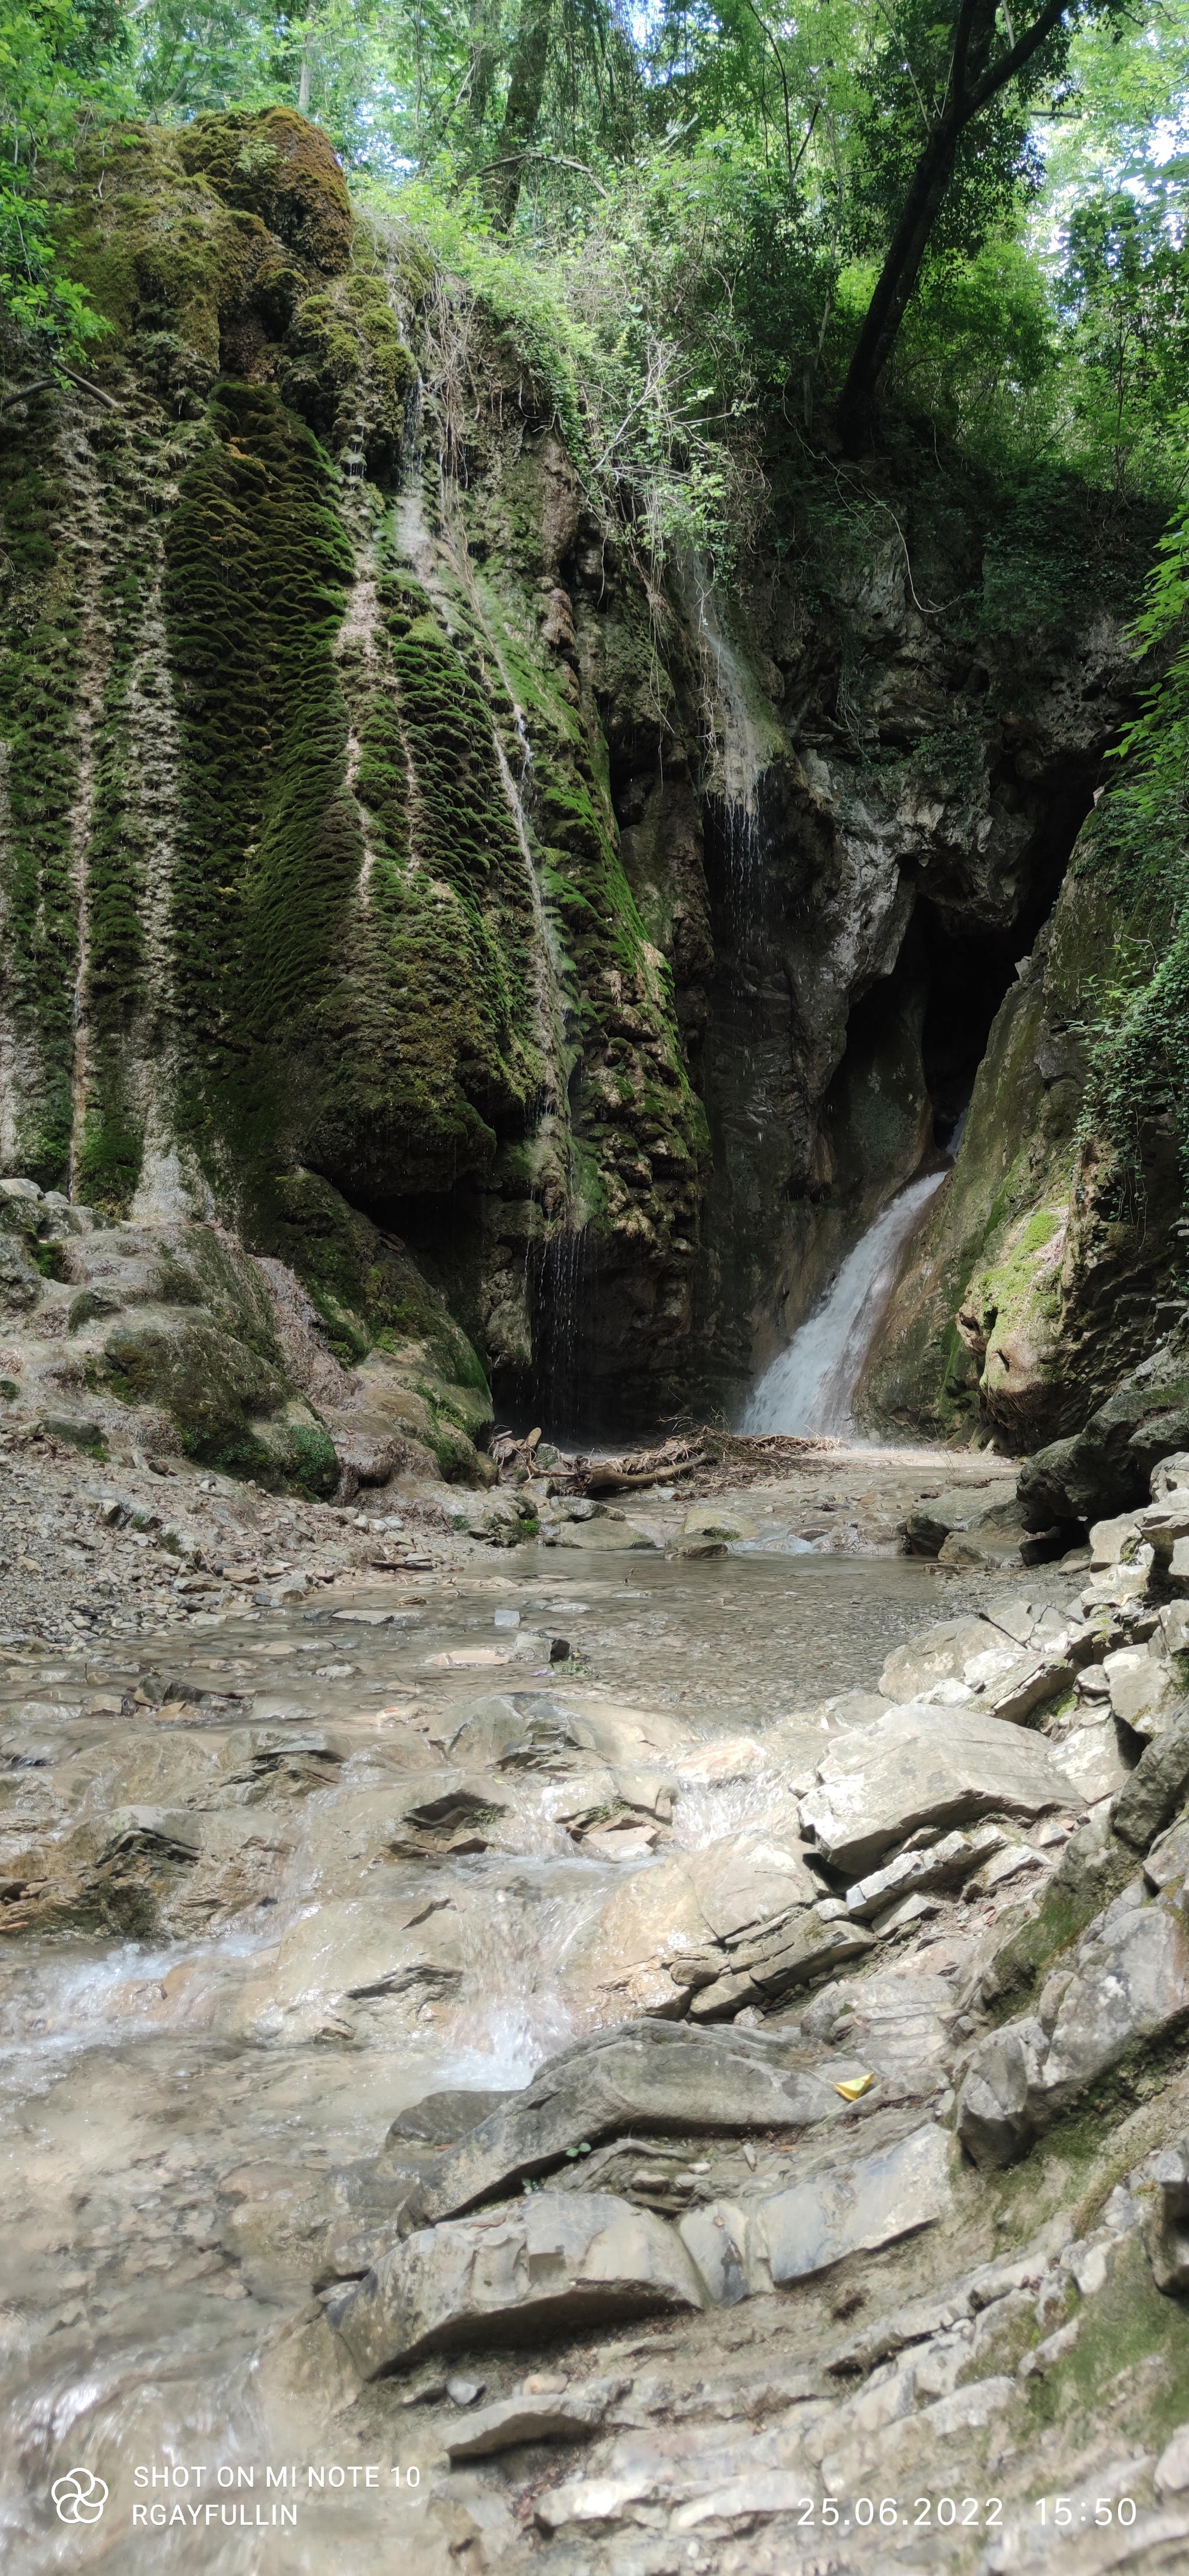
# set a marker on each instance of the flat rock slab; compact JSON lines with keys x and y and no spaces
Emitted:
{"x":857,"y":2207}
{"x":562,"y":2259}
{"x":567,"y":2416}
{"x":538,"y":1731}
{"x":939,"y":1654}
{"x":660,"y":2075}
{"x":927,"y":1766}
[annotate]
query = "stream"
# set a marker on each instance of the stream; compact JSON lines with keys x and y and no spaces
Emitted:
{"x":288,"y":1962}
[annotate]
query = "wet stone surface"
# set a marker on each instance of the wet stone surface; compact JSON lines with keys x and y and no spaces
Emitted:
{"x":295,"y":1887}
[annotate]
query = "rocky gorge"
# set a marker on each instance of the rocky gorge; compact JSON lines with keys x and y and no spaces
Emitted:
{"x":612,"y":2012}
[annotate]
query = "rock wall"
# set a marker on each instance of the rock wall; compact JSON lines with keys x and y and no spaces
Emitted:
{"x":1045,"y":1270}
{"x":368,"y":816}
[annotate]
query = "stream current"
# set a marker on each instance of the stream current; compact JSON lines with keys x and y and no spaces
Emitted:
{"x":177,"y":2105}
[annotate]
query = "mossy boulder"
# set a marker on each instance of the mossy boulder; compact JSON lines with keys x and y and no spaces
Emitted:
{"x":381,"y":1315}
{"x":21,"y":1281}
{"x":233,"y":1408}
{"x":280,"y":168}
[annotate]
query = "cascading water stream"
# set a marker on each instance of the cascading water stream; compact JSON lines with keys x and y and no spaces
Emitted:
{"x":810,"y":1386}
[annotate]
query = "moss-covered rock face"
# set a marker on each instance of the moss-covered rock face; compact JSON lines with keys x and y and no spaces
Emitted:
{"x":314,"y":864}
{"x":1038,"y":1279}
{"x":370,"y":821}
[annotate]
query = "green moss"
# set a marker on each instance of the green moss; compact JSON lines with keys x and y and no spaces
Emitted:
{"x":281,"y":168}
{"x":38,"y":723}
{"x":369,"y":1293}
{"x":1021,"y":1963}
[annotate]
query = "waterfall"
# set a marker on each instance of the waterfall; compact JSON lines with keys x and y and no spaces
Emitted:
{"x":810,"y":1385}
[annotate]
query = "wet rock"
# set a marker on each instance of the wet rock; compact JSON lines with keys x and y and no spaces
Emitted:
{"x":354,"y":1962}
{"x":439,"y":2118}
{"x":657,"y":2075}
{"x":674,"y":1927}
{"x":1126,"y":1986}
{"x":601,"y":1537}
{"x":1156,"y":1785}
{"x":558,"y":2260}
{"x":925,"y":1766}
{"x":532,"y":1731}
{"x":857,"y":2207}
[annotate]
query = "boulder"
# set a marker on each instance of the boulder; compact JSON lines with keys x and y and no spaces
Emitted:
{"x":938,"y":1654}
{"x":1157,"y":1784}
{"x":930,"y":1522}
{"x":925,"y":1766}
{"x":601,"y":1537}
{"x":1166,"y":2223}
{"x":558,"y":2260}
{"x":1091,"y":1759}
{"x":941,"y":1864}
{"x":711,"y":1520}
{"x":655,"y":2074}
{"x":857,"y":2207}
{"x":763,"y":1970}
{"x":1127,"y":1985}
{"x":1107,"y":1468}
{"x":674,"y":1926}
{"x":1144,"y":1689}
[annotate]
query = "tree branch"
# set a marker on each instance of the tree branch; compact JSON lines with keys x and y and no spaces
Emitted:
{"x":49,"y":384}
{"x":1021,"y":53}
{"x":766,"y":32}
{"x":560,"y":161}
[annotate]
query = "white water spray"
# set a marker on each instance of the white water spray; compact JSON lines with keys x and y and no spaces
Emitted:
{"x":810,"y":1385}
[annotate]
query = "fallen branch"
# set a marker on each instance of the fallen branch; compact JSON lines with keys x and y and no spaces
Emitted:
{"x":49,"y":384}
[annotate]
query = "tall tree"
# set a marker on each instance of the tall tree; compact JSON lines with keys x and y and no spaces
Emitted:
{"x":960,"y":91}
{"x":522,"y":112}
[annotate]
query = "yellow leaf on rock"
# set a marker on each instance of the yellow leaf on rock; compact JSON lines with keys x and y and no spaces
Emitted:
{"x":859,"y":2084}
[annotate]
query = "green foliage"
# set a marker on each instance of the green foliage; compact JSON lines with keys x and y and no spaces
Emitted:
{"x":1140,"y":839}
{"x":61,"y":61}
{"x":1123,"y":294}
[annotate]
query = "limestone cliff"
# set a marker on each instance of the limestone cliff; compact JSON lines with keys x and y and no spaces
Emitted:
{"x":370,"y":816}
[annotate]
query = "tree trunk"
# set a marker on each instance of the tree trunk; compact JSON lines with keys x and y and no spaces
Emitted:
{"x":974,"y":81}
{"x":305,"y":76}
{"x":897,"y":279}
{"x":522,"y":112}
{"x":482,"y":52}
